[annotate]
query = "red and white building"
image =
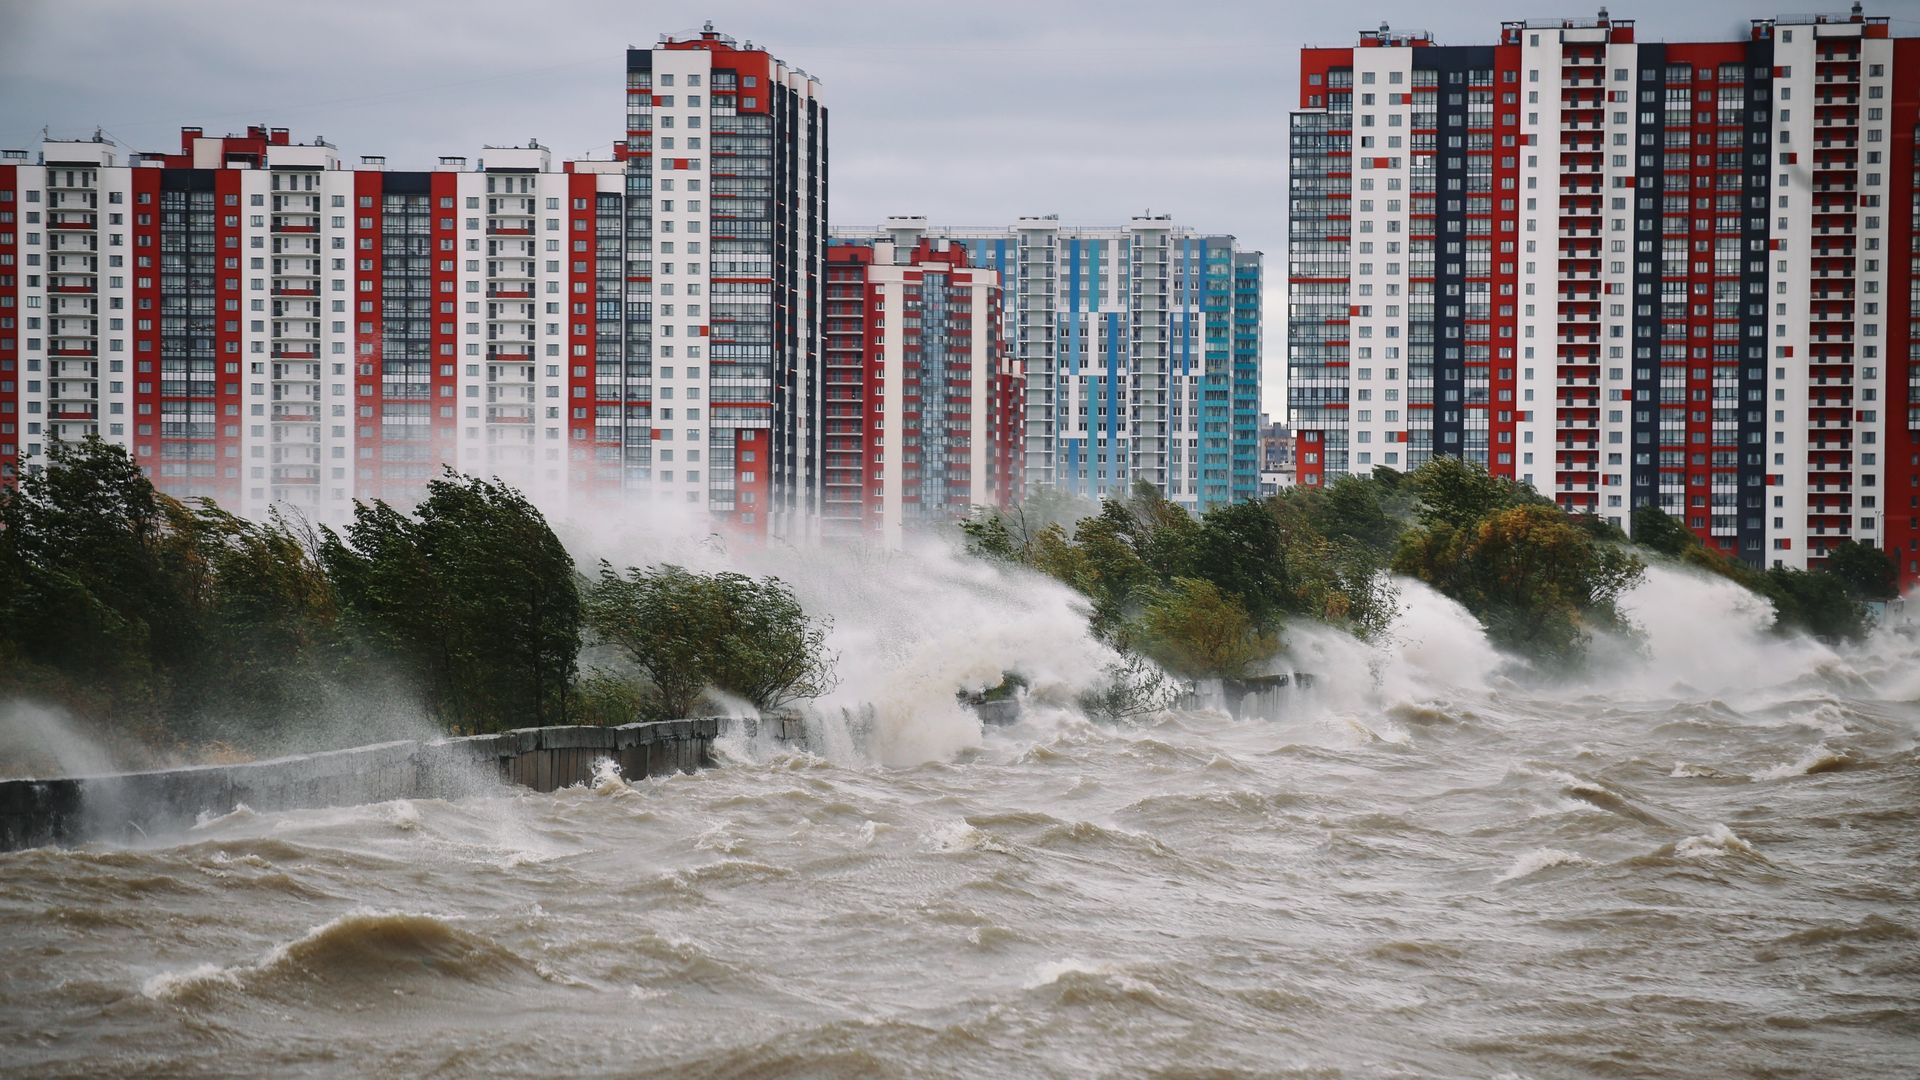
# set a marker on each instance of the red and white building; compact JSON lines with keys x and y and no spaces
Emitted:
{"x":1623,"y":272}
{"x":924,"y":413}
{"x":266,"y":324}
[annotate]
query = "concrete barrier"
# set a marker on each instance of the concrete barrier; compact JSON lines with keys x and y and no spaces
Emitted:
{"x":117,"y":806}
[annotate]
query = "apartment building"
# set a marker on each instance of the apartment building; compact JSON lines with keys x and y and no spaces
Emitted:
{"x":924,"y":412}
{"x":263,"y":323}
{"x":1623,"y":272}
{"x":1140,"y":345}
{"x":726,"y":152}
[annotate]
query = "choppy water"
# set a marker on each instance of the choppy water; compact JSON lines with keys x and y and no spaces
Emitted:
{"x":1703,"y":865}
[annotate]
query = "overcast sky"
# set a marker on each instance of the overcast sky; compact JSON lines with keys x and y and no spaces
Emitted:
{"x":969,"y":113}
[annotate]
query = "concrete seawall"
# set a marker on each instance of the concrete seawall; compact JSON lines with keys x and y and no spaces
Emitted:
{"x":37,"y":812}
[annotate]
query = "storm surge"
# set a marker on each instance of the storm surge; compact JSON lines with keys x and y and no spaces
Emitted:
{"x":1693,"y":858}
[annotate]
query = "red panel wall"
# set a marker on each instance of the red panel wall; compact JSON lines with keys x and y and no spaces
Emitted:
{"x":12,"y":427}
{"x":146,"y":319}
{"x":367,"y":187}
{"x":1900,"y":497}
{"x":446,"y":313}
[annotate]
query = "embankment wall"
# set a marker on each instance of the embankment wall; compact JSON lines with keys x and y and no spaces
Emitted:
{"x":124,"y":805}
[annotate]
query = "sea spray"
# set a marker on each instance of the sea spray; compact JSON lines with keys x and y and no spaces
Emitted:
{"x":909,"y":628}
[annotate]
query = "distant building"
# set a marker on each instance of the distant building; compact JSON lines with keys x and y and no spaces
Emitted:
{"x":1624,"y":272}
{"x":1140,"y":345}
{"x":1276,"y":457}
{"x":922,"y":408}
{"x":265,"y":324}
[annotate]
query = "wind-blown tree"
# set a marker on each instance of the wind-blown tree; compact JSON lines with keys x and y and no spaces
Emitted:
{"x":1306,"y":554}
{"x":690,"y":632}
{"x":87,"y":593}
{"x":267,"y":626}
{"x":771,"y":652}
{"x":178,"y":618}
{"x":1536,"y":580}
{"x":1458,"y":493}
{"x":1192,"y":629}
{"x":474,"y":593}
{"x":1868,"y":572}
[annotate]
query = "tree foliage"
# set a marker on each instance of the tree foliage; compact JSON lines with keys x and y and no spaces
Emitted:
{"x":168,"y":620}
{"x":179,"y":623}
{"x":1148,"y":568}
{"x":1536,"y":580}
{"x":1192,"y":627}
{"x":690,"y":632}
{"x":1867,"y":572}
{"x":473,"y":593}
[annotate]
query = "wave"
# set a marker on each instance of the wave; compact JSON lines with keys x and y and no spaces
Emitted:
{"x":361,"y":947}
{"x":1542,"y":859}
{"x":1078,"y":982}
{"x":1605,"y":798}
{"x":1818,"y":760}
{"x":1716,"y":843}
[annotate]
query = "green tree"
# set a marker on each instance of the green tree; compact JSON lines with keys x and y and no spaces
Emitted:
{"x":1458,"y":493}
{"x":266,"y":616}
{"x":1815,"y":602}
{"x":87,"y":592}
{"x":1192,"y":629}
{"x":1868,"y":572}
{"x":474,"y":593}
{"x":1534,"y":579}
{"x":1657,"y":530}
{"x":770,"y":651}
{"x":666,"y":621}
{"x":689,"y":631}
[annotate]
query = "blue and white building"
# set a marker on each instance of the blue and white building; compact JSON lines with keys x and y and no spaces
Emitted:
{"x":1141,"y":347}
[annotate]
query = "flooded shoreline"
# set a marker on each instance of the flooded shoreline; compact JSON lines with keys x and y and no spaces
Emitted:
{"x":1451,"y":873}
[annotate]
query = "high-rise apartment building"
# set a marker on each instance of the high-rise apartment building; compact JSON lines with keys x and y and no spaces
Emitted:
{"x":1140,"y":346}
{"x":1623,"y":272}
{"x":726,"y":153}
{"x":923,"y":415}
{"x":265,"y":324}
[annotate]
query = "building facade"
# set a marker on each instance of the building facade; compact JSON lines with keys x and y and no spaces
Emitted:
{"x":1140,"y":346}
{"x":1623,"y":272}
{"x":923,"y":416}
{"x":726,"y":154}
{"x":1276,"y":457}
{"x":263,"y":323}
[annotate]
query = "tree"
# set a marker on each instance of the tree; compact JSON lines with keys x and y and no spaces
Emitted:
{"x":1657,"y":530}
{"x":666,"y":622}
{"x":86,"y":589}
{"x":1192,"y":629}
{"x":267,"y":618}
{"x":1868,"y":572}
{"x":770,"y":651}
{"x":475,"y":594}
{"x":1535,"y":580}
{"x":1456,"y":492}
{"x":1354,"y":509}
{"x":690,"y":631}
{"x":1815,"y":602}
